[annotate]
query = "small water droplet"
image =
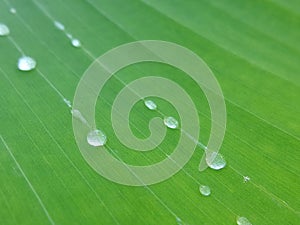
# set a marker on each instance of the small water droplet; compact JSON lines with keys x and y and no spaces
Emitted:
{"x":246,"y":179}
{"x":4,"y":30}
{"x":218,"y":162}
{"x":171,"y":122}
{"x":242,"y":221}
{"x":201,"y":145}
{"x":26,"y":63}
{"x":68,"y":102}
{"x":150,"y":105}
{"x":59,"y":25}
{"x":77,"y":114}
{"x":204,"y":190}
{"x":76,"y":43}
{"x":13,"y":10}
{"x":96,"y":138}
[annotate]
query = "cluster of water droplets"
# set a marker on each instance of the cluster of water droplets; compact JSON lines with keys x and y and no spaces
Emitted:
{"x":25,"y":63}
{"x":74,"y":41}
{"x":217,"y":163}
{"x":68,"y":102}
{"x":96,"y":137}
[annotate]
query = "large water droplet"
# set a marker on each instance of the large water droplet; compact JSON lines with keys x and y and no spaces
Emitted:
{"x":76,"y":43}
{"x":243,"y":221}
{"x":4,"y":30}
{"x":96,"y":138}
{"x":26,"y":63}
{"x":59,"y":25}
{"x":171,"y":122}
{"x":150,"y":105}
{"x":13,"y":10}
{"x":218,"y":162}
{"x":204,"y":190}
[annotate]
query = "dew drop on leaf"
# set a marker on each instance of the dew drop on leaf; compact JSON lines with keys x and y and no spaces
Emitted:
{"x":204,"y":190}
{"x":4,"y":30}
{"x":68,"y":102}
{"x":77,"y":114}
{"x":76,"y":43}
{"x":96,"y":138}
{"x":26,"y":63}
{"x":246,"y":179}
{"x":13,"y":10}
{"x":171,"y":122}
{"x":150,"y":105}
{"x":59,"y":25}
{"x":218,"y":162}
{"x":243,"y":221}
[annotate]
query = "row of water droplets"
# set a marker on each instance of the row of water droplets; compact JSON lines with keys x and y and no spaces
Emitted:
{"x":172,"y":123}
{"x":25,"y":63}
{"x":97,"y":137}
{"x":74,"y":41}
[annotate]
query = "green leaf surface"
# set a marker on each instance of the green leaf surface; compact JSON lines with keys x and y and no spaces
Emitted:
{"x":252,"y":47}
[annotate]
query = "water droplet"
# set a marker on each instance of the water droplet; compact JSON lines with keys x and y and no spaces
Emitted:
{"x":218,"y":162}
{"x":76,"y":43}
{"x":171,"y":122}
{"x":77,"y":114}
{"x":201,"y":145}
{"x":96,"y":138}
{"x":26,"y":63}
{"x":243,"y":221}
{"x":4,"y":30}
{"x":59,"y":25}
{"x":68,"y":102}
{"x":150,"y":105}
{"x":204,"y":190}
{"x":246,"y":179}
{"x":13,"y":10}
